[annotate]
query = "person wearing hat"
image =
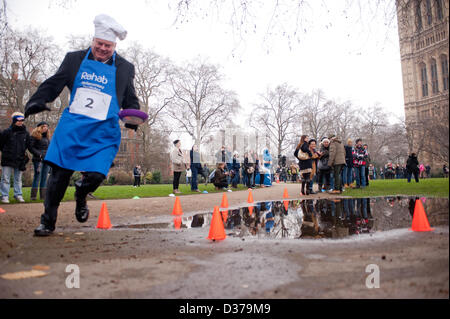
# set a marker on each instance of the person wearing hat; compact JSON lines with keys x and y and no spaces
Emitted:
{"x":40,"y":139}
{"x":14,"y":141}
{"x":87,"y":136}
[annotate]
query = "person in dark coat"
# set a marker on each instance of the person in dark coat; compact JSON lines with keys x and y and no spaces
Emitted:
{"x":220,"y":177}
{"x":88,"y":132}
{"x":305,"y":163}
{"x":324,"y":170}
{"x":348,"y":168}
{"x":40,"y":139}
{"x":412,"y":167}
{"x":14,"y":141}
{"x":137,"y":172}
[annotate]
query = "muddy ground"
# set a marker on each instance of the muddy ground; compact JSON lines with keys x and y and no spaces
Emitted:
{"x":171,"y":263}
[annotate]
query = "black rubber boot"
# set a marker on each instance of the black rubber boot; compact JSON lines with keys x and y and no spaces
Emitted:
{"x":33,"y":193}
{"x":81,"y":209}
{"x":87,"y":184}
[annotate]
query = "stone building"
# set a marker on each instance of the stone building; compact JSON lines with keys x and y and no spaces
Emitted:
{"x":423,"y":32}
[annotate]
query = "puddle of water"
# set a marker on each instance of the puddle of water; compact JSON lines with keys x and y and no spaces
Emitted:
{"x":316,"y":218}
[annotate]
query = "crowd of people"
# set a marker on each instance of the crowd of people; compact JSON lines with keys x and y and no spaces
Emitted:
{"x":330,"y":164}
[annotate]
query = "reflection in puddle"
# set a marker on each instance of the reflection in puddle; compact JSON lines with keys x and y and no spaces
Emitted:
{"x":324,"y":218}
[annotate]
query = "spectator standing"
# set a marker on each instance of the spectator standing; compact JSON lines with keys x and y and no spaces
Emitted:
{"x":196,"y":168}
{"x":205,"y":174}
{"x":359,"y":164}
{"x":249,"y":169}
{"x":235,"y":170}
{"x":40,"y":139}
{"x":336,"y":161}
{"x":348,"y":168}
{"x":428,"y":171}
{"x":178,"y":165}
{"x":137,"y":172}
{"x":371,"y":172}
{"x":412,"y":166}
{"x":366,"y":148}
{"x":303,"y":154}
{"x":188,"y":176}
{"x":324,"y":170}
{"x":422,"y":171}
{"x":445,"y":170}
{"x":14,"y":141}
{"x":314,"y":159}
{"x":267,"y":167}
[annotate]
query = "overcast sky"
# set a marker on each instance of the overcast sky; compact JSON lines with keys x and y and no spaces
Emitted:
{"x":347,"y":59}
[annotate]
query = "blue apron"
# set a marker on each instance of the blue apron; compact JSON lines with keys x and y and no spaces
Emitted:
{"x":87,"y":137}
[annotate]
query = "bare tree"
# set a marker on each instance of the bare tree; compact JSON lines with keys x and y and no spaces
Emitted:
{"x":276,"y":115}
{"x":315,"y":114}
{"x":343,"y":119}
{"x":200,"y":103}
{"x":154,"y":92}
{"x":26,"y":59}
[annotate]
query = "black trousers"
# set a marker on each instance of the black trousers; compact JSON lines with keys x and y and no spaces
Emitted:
{"x":56,"y":188}
{"x":176,"y":180}
{"x":137,"y":181}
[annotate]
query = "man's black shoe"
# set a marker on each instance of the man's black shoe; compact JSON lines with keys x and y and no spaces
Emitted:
{"x":42,"y":230}
{"x":81,"y":211}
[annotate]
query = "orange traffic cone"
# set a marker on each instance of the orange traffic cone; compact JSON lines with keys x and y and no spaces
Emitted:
{"x":2,"y":210}
{"x":177,"y":222}
{"x":286,"y":204}
{"x":285,"y":194}
{"x":420,"y":220}
{"x":103,"y":218}
{"x":177,"y":211}
{"x":224,"y":203}
{"x":250,"y":197}
{"x":216,"y":230}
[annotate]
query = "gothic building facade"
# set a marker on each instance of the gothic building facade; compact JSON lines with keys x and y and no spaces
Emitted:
{"x":424,"y":32}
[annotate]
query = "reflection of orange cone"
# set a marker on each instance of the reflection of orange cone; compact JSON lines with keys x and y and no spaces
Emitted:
{"x":420,"y":220}
{"x":177,"y":211}
{"x":103,"y":218}
{"x":250,"y":210}
{"x":286,"y":204}
{"x":250,"y":197}
{"x":177,"y":222}
{"x":2,"y":210}
{"x":224,"y":215}
{"x":216,"y":230}
{"x":285,"y":194}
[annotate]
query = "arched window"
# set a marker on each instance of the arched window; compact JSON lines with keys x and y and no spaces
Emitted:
{"x":418,"y":15}
{"x":429,"y":15}
{"x":439,"y":14}
{"x":424,"y":79}
{"x":434,"y":77}
{"x":444,"y":71}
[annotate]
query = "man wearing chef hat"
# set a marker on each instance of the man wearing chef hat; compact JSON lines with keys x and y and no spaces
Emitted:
{"x":87,"y":137}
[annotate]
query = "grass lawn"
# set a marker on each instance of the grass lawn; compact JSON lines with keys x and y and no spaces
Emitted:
{"x":430,"y":187}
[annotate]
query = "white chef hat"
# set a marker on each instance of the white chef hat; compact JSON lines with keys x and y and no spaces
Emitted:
{"x":106,"y":28}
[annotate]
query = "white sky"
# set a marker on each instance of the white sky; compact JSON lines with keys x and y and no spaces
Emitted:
{"x":357,"y":61}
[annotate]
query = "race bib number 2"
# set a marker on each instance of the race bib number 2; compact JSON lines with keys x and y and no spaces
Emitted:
{"x":91,"y":103}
